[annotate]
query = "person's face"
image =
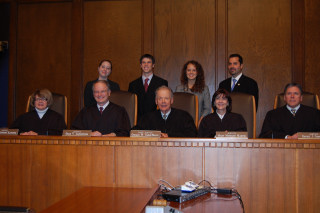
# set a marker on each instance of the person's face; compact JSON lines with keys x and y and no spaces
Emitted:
{"x":164,"y":100}
{"x":104,"y":69}
{"x":221,"y":102}
{"x":191,"y":72}
{"x":101,"y":93}
{"x":146,"y":65}
{"x":234,"y":66}
{"x":40,"y":103}
{"x":293,"y":97}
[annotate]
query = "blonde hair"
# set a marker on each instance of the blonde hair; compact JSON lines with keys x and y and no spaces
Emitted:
{"x":42,"y":93}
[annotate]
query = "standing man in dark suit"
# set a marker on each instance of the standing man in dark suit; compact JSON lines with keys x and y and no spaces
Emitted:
{"x":239,"y":82}
{"x":146,"y":85}
{"x":286,"y":121}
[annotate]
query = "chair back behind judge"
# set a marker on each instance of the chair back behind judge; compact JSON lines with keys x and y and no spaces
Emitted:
{"x":245,"y":105}
{"x":60,"y":105}
{"x":127,"y":100}
{"x":308,"y":99}
{"x":187,"y":102}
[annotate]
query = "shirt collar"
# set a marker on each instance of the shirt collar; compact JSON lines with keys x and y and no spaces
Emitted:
{"x":41,"y":112}
{"x":104,"y":106}
{"x":221,"y":116}
{"x":149,"y":77}
{"x":290,"y":108}
{"x":238,"y":77}
{"x":166,"y":113}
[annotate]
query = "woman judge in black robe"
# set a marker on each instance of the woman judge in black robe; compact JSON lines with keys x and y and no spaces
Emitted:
{"x":222,"y":119}
{"x":42,"y":120}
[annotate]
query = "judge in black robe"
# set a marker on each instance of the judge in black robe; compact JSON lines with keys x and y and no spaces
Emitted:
{"x":179,"y":123}
{"x":52,"y":123}
{"x":105,"y":118}
{"x":114,"y":119}
{"x":42,"y":120}
{"x":212,"y":123}
{"x":287,"y":121}
{"x":222,"y":104}
{"x":280,"y":122}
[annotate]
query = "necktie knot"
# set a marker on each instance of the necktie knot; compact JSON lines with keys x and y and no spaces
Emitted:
{"x":146,"y":85}
{"x":234,"y":83}
{"x":293,"y":111}
{"x":164,"y":117}
{"x":101,"y":110}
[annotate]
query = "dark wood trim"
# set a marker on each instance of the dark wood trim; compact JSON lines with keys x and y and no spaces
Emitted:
{"x":77,"y":52}
{"x":12,"y":62}
{"x":298,"y":41}
{"x":221,"y":26}
{"x":147,"y":22}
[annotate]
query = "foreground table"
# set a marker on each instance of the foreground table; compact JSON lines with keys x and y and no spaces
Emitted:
{"x":102,"y":200}
{"x":113,"y":199}
{"x":272,"y":175}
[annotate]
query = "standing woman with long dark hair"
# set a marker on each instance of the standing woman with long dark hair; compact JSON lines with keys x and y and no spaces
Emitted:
{"x":192,"y":81}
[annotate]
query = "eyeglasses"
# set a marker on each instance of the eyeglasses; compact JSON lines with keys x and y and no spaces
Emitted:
{"x":41,"y":99}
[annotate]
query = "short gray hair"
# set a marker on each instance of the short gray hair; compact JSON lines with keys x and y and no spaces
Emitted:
{"x":165,"y":87}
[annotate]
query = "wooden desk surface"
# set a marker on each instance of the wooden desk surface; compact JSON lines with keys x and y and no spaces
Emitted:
{"x":103,"y":199}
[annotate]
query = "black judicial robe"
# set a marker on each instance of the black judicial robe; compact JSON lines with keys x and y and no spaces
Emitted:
{"x":280,"y":122}
{"x":178,"y":124}
{"x":113,"y":119}
{"x":52,"y":123}
{"x":88,"y":93}
{"x":212,"y":123}
{"x":146,"y":100}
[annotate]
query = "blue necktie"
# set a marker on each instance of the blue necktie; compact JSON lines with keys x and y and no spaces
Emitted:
{"x":234,"y":83}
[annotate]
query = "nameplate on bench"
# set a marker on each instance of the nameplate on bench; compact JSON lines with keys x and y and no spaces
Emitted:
{"x":231,"y":135}
{"x":308,"y":135}
{"x":5,"y":131}
{"x":76,"y":133}
{"x":145,"y":133}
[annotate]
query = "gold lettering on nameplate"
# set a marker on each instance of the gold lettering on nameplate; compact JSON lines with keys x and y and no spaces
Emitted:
{"x":76,"y":132}
{"x":308,"y":135}
{"x":231,"y":135}
{"x":6,"y":131}
{"x":145,"y":133}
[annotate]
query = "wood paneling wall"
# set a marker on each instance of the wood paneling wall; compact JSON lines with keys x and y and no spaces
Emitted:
{"x":312,"y":46}
{"x":43,"y":50}
{"x":58,"y":44}
{"x":185,"y":30}
{"x":112,"y":30}
{"x":260,"y":32}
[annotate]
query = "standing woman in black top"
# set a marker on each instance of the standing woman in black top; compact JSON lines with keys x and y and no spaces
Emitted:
{"x":104,"y":70}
